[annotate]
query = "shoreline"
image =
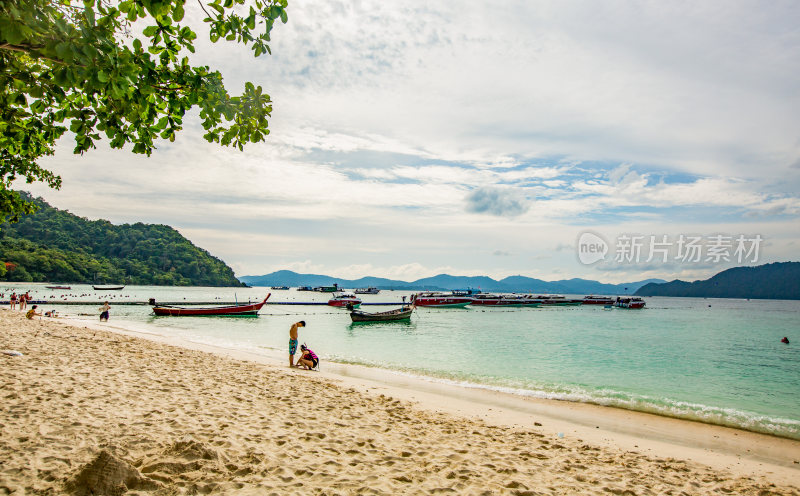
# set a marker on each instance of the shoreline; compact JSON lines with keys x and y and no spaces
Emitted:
{"x":182,"y":418}
{"x":715,"y":445}
{"x":411,"y":380}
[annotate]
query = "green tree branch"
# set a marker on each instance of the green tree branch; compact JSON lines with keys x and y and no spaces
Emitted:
{"x":64,"y":65}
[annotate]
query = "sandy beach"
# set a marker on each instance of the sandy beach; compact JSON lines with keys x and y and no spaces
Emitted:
{"x":90,"y":411}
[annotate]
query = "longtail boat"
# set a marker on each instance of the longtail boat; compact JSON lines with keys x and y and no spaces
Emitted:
{"x":106,"y":288}
{"x":58,"y":287}
{"x":402,"y":313}
{"x":248,"y":310}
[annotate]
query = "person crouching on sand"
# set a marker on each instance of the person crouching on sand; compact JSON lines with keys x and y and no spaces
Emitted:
{"x":293,"y":340}
{"x":308,"y":359}
{"x":32,"y":313}
{"x":104,"y":312}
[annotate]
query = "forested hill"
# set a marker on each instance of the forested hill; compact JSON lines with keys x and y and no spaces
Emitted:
{"x":56,"y":246}
{"x":777,"y":281}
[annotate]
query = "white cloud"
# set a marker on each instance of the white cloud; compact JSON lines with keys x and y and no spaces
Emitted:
{"x":387,"y":116}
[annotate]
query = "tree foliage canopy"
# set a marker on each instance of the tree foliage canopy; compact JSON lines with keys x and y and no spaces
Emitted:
{"x":56,"y":246}
{"x":117,"y":68}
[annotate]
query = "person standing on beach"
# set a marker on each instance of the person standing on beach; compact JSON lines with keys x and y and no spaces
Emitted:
{"x":23,"y":301}
{"x":293,"y":340}
{"x":104,"y":312}
{"x":13,"y":300}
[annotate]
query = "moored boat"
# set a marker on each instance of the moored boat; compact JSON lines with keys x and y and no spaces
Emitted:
{"x":440,"y":300}
{"x":629,"y":302}
{"x":281,"y":288}
{"x":58,"y":287}
{"x":558,"y":300}
{"x":305,"y":288}
{"x":597,"y":300}
{"x":398,"y":314}
{"x":248,"y":310}
{"x":344,"y":299}
{"x":327,"y":289}
{"x":466,"y":292}
{"x":503,"y":300}
{"x":107,"y":288}
{"x":369,"y":290}
{"x":525,"y":300}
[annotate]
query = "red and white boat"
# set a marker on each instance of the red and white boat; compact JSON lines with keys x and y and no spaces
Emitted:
{"x":503,"y":300}
{"x":441,"y":300}
{"x":629,"y":302}
{"x":597,"y":300}
{"x":345,"y":299}
{"x":558,"y":300}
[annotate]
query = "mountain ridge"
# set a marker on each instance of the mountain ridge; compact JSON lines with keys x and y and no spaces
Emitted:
{"x":445,"y":282}
{"x":774,"y":281}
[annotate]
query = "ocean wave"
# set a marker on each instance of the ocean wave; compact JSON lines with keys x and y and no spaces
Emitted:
{"x":609,"y":397}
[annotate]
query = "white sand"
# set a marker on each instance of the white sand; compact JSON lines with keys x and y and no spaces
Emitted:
{"x":87,"y":410}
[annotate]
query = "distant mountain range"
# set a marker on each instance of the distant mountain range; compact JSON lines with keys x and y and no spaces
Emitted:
{"x":776,"y":281}
{"x":445,"y":282}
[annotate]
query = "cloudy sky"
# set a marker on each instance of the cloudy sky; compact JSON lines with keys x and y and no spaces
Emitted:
{"x":483,"y":138}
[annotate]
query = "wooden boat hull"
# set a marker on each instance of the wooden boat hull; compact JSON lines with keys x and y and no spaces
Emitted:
{"x":58,"y":287}
{"x":390,"y":316}
{"x":107,"y":288}
{"x":249,"y":310}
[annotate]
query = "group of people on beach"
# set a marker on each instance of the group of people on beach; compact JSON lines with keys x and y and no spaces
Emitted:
{"x":22,"y":298}
{"x":308,"y":359}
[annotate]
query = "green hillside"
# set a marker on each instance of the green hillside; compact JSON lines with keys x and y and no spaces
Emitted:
{"x":778,"y":281}
{"x":56,"y":246}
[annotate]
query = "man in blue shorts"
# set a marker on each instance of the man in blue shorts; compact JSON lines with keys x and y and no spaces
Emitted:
{"x":293,"y":340}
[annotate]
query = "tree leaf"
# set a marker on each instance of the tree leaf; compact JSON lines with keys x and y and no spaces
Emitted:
{"x":177,"y":13}
{"x":89,"y":13}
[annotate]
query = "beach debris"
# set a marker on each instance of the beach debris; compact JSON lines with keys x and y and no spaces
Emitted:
{"x":560,"y":435}
{"x":108,"y":475}
{"x":12,"y":353}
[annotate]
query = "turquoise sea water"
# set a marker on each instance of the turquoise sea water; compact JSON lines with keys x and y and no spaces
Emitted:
{"x":713,"y":360}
